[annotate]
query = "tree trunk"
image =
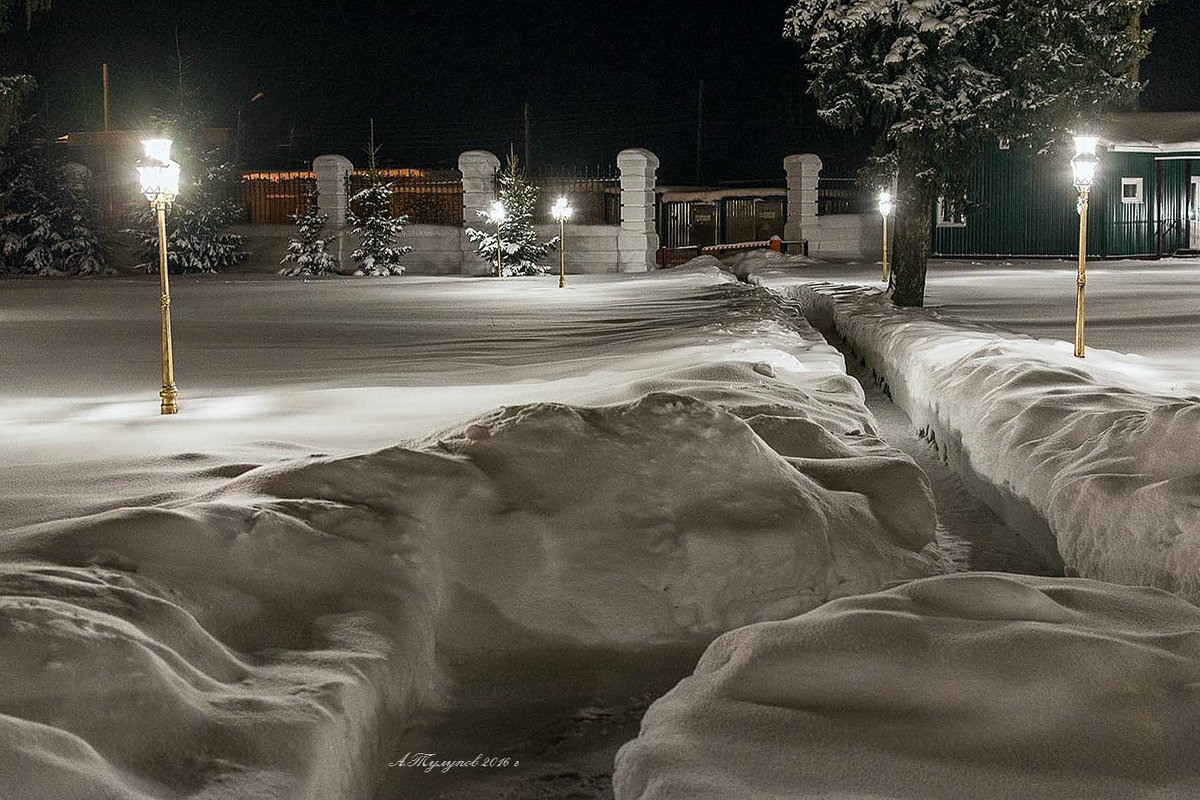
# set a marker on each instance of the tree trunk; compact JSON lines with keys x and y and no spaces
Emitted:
{"x":915,"y":199}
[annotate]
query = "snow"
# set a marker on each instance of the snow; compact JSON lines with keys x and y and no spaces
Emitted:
{"x":1106,"y":476}
{"x":1143,"y":329}
{"x":981,"y":685}
{"x":244,"y":600}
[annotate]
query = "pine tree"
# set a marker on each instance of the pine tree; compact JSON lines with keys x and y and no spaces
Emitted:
{"x":940,"y":78}
{"x":48,"y":222}
{"x":198,"y":236}
{"x":379,"y":252}
{"x":523,"y":248}
{"x":309,"y":251}
{"x":15,"y":88}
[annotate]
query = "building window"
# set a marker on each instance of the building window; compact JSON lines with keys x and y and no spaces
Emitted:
{"x":949,"y":214}
{"x":1131,"y":190}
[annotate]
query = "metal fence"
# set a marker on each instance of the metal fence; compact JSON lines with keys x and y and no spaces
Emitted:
{"x":426,"y":197}
{"x":594,"y":200}
{"x":273,"y":198}
{"x":842,"y":196}
{"x":727,"y":220}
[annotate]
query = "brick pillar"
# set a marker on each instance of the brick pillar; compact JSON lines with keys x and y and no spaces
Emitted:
{"x":478,"y":168}
{"x":802,"y":174}
{"x":637,"y":242}
{"x":332,"y":172}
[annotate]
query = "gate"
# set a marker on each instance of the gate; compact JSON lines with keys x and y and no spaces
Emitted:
{"x":724,"y":220}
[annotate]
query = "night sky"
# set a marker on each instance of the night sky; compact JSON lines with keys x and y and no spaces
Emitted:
{"x":440,"y":77}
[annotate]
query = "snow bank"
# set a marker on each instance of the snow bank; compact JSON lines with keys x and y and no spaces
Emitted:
{"x":251,"y":641}
{"x":1112,"y":476}
{"x":974,"y":685}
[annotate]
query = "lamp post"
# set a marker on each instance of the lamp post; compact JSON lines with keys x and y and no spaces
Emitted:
{"x":885,"y":208}
{"x":496,"y":216}
{"x":562,"y":211}
{"x":159,"y":178}
{"x":1083,"y":167}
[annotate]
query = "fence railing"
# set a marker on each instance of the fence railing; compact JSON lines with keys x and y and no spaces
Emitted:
{"x":426,"y":197}
{"x":594,"y":200}
{"x":272,"y":198}
{"x":842,"y":196}
{"x":727,"y":220}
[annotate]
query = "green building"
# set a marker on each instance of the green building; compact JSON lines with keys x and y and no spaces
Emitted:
{"x":1144,"y":202}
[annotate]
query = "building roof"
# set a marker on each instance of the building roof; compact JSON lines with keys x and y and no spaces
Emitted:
{"x":1153,"y":132}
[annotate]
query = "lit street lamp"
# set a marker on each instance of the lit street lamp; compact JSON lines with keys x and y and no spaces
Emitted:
{"x":496,"y":216}
{"x":885,"y":208}
{"x":159,"y":177}
{"x":1083,"y":167}
{"x":561,"y":211}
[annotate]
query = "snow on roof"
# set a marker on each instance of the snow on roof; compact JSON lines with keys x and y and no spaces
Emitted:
{"x":1163,"y":131}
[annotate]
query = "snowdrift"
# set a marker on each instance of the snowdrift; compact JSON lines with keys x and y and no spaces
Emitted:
{"x":1110,"y":476}
{"x":974,"y":685}
{"x":252,"y":641}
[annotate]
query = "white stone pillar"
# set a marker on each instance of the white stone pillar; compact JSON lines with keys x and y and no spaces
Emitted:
{"x":803,"y":172}
{"x":478,"y":168}
{"x":637,"y":242}
{"x":331,"y":172}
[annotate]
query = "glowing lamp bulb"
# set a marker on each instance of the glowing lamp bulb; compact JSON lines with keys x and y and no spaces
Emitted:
{"x":157,"y":150}
{"x":561,"y":210}
{"x":497,"y":213}
{"x":885,"y":203}
{"x":1085,"y":163}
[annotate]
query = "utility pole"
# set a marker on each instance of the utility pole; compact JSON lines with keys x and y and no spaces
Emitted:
{"x":528,"y":138}
{"x":700,"y":132}
{"x":104,"y":81}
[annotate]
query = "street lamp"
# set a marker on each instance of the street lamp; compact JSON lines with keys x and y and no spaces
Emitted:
{"x":159,"y":177}
{"x":561,"y":211}
{"x":885,"y":208}
{"x":1083,"y":167}
{"x":496,"y":216}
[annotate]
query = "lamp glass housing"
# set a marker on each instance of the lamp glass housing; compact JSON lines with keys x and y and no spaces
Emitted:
{"x":157,"y":150}
{"x":496,"y":213}
{"x":158,"y":174}
{"x":561,"y":210}
{"x":1085,"y":162}
{"x":885,"y":203}
{"x":159,"y":181}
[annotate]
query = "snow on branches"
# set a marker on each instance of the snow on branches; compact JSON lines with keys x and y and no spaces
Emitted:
{"x":379,"y":251}
{"x":47,"y":219}
{"x":308,"y":251}
{"x":522,"y":247}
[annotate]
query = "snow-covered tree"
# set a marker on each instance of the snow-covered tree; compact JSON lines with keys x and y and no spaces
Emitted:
{"x":523,"y":248}
{"x":309,"y":250}
{"x":14,"y":88}
{"x":379,"y":252}
{"x":198,"y":236}
{"x":940,"y":78}
{"x":47,"y":218}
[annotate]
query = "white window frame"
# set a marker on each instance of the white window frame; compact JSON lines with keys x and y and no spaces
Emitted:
{"x":959,"y":221}
{"x":1137,"y":199}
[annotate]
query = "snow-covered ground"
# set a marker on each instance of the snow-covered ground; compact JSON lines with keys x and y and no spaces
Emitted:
{"x":1143,"y":317}
{"x":1106,"y":475}
{"x":975,"y":685}
{"x":206,"y":605}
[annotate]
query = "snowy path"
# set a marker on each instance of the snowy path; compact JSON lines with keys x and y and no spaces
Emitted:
{"x":970,"y":535}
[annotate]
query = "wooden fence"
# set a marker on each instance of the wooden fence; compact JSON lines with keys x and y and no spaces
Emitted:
{"x":426,"y":197}
{"x":273,"y":198}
